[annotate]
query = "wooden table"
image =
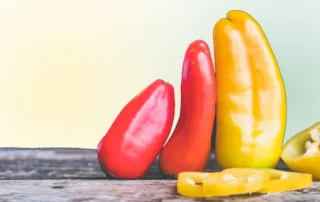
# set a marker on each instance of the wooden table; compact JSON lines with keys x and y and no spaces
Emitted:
{"x":67,"y":174}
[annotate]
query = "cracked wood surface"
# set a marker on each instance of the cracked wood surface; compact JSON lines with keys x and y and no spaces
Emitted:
{"x":68,"y":174}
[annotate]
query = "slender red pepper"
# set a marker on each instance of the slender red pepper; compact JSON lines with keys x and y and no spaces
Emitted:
{"x":188,"y":148}
{"x":139,"y":132}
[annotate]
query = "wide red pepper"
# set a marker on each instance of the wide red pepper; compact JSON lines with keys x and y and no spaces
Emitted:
{"x":138,"y":133}
{"x":188,"y":149}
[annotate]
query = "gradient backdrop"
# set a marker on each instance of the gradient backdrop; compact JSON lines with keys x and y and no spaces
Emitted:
{"x":68,"y":67}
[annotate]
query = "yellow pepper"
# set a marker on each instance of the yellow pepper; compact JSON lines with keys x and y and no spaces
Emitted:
{"x":234,"y":182}
{"x":301,"y":153}
{"x":251,"y":98}
{"x":190,"y":184}
{"x":280,"y":181}
{"x":204,"y":184}
{"x":237,"y":181}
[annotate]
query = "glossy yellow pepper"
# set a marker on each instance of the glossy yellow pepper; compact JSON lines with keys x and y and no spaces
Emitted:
{"x":301,"y":153}
{"x":280,"y":181}
{"x":251,"y":98}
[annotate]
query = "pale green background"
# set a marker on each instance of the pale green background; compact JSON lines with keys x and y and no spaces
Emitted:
{"x":68,"y":67}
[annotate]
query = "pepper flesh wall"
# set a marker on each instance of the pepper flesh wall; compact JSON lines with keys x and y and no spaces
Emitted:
{"x":301,"y":152}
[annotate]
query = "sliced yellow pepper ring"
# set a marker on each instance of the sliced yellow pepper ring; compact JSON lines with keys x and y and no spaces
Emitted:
{"x":190,"y":184}
{"x":280,"y":181}
{"x":234,"y":182}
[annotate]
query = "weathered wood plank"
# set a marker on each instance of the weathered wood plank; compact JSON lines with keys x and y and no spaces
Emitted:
{"x":114,"y":190}
{"x":66,"y":174}
{"x":64,"y":163}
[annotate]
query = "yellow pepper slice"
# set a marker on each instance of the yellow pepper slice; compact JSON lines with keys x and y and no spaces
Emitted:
{"x":301,"y":153}
{"x":237,"y":181}
{"x":190,"y":184}
{"x":280,"y":181}
{"x":234,"y":182}
{"x":251,"y":97}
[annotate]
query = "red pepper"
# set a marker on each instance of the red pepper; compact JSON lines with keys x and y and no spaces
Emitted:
{"x":188,"y":148}
{"x":138,"y":133}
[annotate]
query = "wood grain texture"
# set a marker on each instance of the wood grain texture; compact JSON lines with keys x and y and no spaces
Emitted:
{"x":135,"y":191}
{"x":65,"y":163}
{"x":67,"y":174}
